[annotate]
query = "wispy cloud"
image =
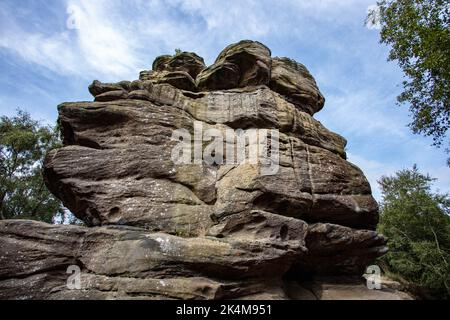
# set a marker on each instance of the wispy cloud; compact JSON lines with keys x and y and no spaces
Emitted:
{"x":116,"y":38}
{"x":96,"y":46}
{"x":51,"y":51}
{"x":105,"y":45}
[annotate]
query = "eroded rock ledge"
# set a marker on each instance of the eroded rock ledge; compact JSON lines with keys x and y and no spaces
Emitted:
{"x":157,"y":229}
{"x":119,"y":262}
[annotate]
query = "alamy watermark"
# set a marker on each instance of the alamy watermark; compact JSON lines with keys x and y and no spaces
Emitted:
{"x":373,"y":277}
{"x":227,"y":147}
{"x":373,"y":20}
{"x":74,"y":280}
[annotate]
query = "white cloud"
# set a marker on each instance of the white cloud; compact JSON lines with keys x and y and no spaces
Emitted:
{"x":103,"y":46}
{"x":96,"y":47}
{"x":115,"y":39}
{"x":52,"y":52}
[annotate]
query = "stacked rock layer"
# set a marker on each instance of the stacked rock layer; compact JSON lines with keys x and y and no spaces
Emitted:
{"x":157,"y":229}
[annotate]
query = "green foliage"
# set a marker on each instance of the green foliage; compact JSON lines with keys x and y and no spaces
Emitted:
{"x":417,"y":223}
{"x":418,"y":32}
{"x":178,"y":51}
{"x":23,"y":194}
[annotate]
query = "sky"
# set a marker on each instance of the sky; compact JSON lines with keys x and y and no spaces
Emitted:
{"x":51,"y":50}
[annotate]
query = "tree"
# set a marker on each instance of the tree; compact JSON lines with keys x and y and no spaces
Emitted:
{"x":23,"y":194}
{"x":417,"y":223}
{"x":418,"y":32}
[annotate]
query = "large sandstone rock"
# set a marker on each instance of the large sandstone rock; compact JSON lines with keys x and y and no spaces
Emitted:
{"x":157,"y":228}
{"x":130,"y":141}
{"x":246,"y":63}
{"x":188,"y":62}
{"x":294,"y":82}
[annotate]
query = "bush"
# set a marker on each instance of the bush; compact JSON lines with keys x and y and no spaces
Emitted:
{"x":417,"y":223}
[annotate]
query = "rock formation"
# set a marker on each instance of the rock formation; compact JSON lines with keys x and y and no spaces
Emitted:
{"x":158,"y":229}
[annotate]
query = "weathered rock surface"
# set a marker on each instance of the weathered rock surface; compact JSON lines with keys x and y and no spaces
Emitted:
{"x":179,"y":70}
{"x":294,"y":82}
{"x":243,"y":64}
{"x":119,"y":262}
{"x":157,"y":228}
{"x":351,"y":250}
{"x":124,"y":262}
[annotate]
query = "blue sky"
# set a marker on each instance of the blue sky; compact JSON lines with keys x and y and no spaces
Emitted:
{"x":50,"y":51}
